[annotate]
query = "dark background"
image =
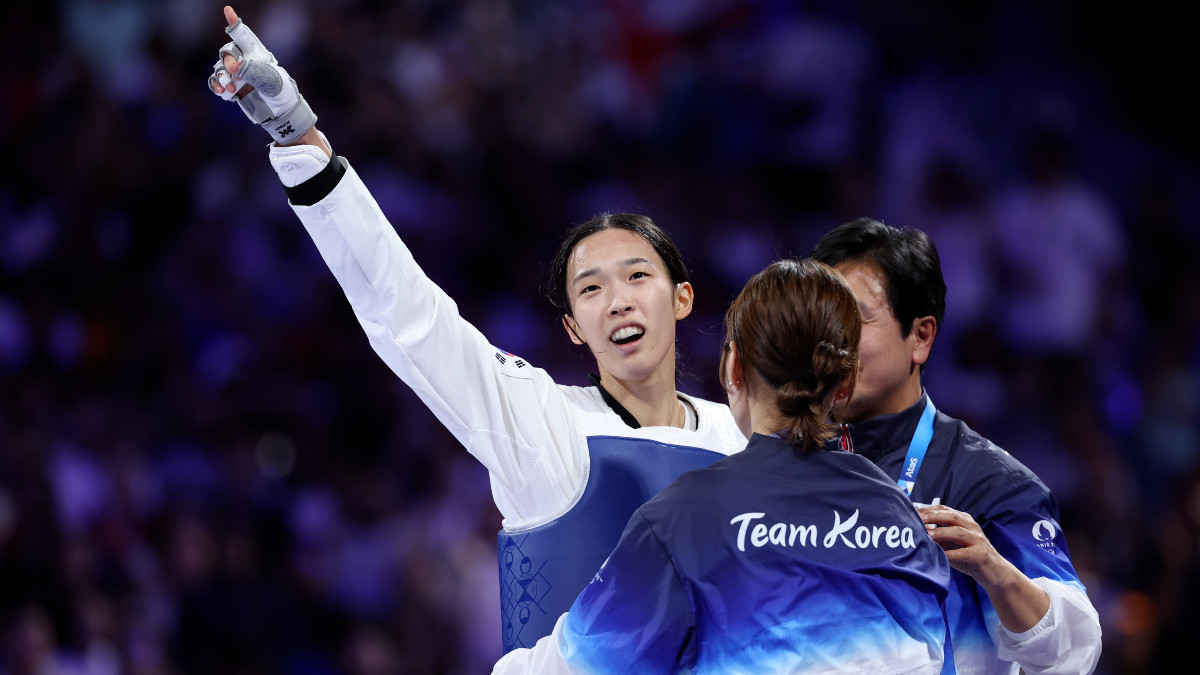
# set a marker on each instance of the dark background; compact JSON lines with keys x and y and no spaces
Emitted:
{"x":204,"y":468}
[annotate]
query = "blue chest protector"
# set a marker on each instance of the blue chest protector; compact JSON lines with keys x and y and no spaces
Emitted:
{"x":543,"y":569}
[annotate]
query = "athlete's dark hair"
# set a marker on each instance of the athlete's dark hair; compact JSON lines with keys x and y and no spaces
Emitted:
{"x":559,"y":286}
{"x":797,"y":324}
{"x":907,"y":257}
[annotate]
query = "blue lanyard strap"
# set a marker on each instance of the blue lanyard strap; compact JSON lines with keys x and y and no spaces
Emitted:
{"x":916,"y":449}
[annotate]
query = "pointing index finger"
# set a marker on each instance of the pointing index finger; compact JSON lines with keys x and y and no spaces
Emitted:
{"x":241,"y":34}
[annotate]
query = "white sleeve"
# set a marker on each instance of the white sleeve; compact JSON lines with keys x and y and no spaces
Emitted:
{"x":1066,"y":640}
{"x":511,"y":416}
{"x":543,"y":658}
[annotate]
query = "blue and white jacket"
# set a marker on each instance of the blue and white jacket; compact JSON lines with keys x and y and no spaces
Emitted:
{"x":769,"y":561}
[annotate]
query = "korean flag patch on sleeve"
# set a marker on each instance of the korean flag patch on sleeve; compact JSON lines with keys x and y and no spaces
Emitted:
{"x":513,"y":365}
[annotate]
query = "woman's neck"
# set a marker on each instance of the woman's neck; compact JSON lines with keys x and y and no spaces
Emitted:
{"x":652,"y":402}
{"x":765,"y":418}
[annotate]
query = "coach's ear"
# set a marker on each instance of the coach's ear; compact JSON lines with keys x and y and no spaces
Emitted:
{"x":573,"y":331}
{"x":924,"y":332}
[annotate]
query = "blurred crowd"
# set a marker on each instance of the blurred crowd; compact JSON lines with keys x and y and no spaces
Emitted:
{"x":204,"y":468}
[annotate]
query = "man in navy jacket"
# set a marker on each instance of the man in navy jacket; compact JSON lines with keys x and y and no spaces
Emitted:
{"x":1017,"y":602}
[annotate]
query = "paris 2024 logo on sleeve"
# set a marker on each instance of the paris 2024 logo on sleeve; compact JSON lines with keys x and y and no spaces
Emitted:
{"x":1044,"y":531}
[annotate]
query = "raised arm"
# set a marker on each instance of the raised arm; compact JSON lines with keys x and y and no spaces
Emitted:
{"x":509,"y":415}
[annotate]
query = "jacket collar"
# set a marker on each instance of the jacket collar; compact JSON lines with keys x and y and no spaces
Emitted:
{"x":882,"y":434}
{"x":626,"y":416}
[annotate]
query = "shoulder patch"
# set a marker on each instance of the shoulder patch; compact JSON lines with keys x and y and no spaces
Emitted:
{"x":511,"y":364}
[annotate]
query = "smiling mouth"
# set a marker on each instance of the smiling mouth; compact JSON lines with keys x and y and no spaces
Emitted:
{"x":627,"y":335}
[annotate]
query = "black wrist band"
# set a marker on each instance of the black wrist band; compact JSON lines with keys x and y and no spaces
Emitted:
{"x":319,"y":186}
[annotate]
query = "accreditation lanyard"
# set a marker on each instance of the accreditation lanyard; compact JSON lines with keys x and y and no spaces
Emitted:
{"x":916,"y":449}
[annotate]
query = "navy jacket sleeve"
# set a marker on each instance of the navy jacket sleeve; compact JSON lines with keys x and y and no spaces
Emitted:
{"x":634,"y":617}
{"x":1020,"y":517}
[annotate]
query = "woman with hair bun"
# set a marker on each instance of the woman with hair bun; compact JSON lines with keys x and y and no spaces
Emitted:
{"x":790,"y":556}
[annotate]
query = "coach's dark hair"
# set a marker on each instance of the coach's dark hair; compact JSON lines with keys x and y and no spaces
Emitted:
{"x":797,"y":325}
{"x":907,"y":257}
{"x":559,"y":286}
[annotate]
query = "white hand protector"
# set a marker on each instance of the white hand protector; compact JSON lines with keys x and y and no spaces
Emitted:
{"x":275,"y":103}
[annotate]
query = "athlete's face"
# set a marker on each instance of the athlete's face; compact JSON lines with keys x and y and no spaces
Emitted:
{"x":889,"y":379}
{"x":625,"y":306}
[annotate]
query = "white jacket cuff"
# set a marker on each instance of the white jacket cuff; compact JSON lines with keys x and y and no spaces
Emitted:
{"x":1066,"y":640}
